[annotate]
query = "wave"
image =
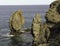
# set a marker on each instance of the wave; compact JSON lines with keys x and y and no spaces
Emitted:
{"x":6,"y":35}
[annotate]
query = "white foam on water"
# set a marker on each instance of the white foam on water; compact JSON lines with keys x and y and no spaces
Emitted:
{"x":6,"y":35}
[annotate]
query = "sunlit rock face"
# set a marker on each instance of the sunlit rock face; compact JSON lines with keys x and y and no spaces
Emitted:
{"x":36,"y":28}
{"x":16,"y":21}
{"x":53,"y":14}
{"x":39,"y":31}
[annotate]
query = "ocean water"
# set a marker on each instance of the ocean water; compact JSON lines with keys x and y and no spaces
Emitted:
{"x":28,"y":13}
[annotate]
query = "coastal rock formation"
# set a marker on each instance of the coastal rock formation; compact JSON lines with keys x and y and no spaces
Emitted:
{"x":53,"y":22}
{"x":39,"y":31}
{"x":36,"y":29}
{"x":16,"y":21}
{"x":45,"y":32}
{"x":53,"y":15}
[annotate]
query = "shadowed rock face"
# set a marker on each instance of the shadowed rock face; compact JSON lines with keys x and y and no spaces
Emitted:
{"x":54,"y":4}
{"x":53,"y":14}
{"x":16,"y":21}
{"x":58,"y":9}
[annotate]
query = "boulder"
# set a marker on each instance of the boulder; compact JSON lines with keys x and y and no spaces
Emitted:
{"x":16,"y":21}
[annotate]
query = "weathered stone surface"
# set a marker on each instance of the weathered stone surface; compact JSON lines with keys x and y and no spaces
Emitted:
{"x":43,"y":45}
{"x":36,"y":28}
{"x":53,"y":22}
{"x":39,"y":31}
{"x":55,"y":30}
{"x":55,"y":41}
{"x":45,"y":32}
{"x":16,"y":21}
{"x":54,"y":4}
{"x":53,"y":15}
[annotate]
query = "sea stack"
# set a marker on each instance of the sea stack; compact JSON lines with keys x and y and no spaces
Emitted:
{"x":16,"y":22}
{"x":40,"y":31}
{"x":36,"y":29}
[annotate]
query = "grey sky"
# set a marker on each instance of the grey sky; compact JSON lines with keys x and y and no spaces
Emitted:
{"x":25,"y":2}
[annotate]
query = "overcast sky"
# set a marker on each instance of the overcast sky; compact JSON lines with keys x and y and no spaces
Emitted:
{"x":25,"y":2}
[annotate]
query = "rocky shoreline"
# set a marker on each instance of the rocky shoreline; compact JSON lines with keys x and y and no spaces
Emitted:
{"x":41,"y":34}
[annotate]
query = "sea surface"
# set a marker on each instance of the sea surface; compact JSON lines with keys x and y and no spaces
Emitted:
{"x":29,"y":12}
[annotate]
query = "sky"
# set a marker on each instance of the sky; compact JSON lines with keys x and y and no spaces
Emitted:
{"x":25,"y":2}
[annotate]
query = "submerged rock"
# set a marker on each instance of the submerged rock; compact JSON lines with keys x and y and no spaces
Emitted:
{"x":24,"y":39}
{"x":16,"y":21}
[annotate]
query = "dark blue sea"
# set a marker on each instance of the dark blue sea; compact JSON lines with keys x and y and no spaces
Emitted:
{"x":29,"y":12}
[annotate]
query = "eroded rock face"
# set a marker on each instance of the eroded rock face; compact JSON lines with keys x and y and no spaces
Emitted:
{"x":39,"y":31}
{"x":53,"y":22}
{"x":45,"y":33}
{"x":36,"y":28}
{"x":16,"y":21}
{"x":53,"y":14}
